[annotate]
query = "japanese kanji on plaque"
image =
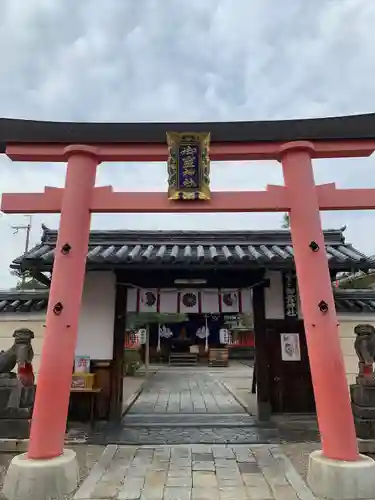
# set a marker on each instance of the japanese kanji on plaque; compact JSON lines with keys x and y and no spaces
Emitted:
{"x":188,"y":166}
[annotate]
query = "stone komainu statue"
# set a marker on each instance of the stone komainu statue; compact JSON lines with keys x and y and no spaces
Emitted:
{"x":17,"y":390}
{"x":364,"y":346}
{"x":20,"y":353}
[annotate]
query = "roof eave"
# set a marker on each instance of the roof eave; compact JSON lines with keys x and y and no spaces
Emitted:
{"x":25,"y":264}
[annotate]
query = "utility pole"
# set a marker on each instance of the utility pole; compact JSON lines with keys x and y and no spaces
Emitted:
{"x":26,"y":228}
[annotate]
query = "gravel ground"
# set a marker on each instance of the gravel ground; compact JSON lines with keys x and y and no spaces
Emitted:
{"x":298,"y":454}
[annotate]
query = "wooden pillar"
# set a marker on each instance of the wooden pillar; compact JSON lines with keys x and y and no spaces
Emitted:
{"x":57,"y":357}
{"x":118,"y":353}
{"x":261,"y":355}
{"x":334,"y":412}
{"x":147,"y":351}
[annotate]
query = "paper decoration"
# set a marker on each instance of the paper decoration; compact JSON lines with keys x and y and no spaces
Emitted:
{"x":207,"y":333}
{"x":210,"y":301}
{"x":207,"y":301}
{"x":163,"y":332}
{"x":245,"y":301}
{"x":189,"y":301}
{"x":168,"y":301}
{"x":290,"y":347}
{"x":82,"y":364}
{"x":148,"y":300}
{"x":230,"y":301}
{"x":203,"y":332}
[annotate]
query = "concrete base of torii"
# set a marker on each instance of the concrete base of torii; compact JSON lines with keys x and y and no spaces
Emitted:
{"x":32,"y":479}
{"x":340,"y":480}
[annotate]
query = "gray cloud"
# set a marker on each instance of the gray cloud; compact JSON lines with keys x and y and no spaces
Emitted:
{"x":184,"y":60}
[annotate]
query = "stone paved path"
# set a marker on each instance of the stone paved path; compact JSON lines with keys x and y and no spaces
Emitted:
{"x":185,"y":392}
{"x":192,"y":405}
{"x":196,"y":472}
{"x":183,"y":406}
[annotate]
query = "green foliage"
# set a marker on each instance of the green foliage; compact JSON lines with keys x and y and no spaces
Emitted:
{"x":27,"y":282}
{"x":135,"y":320}
{"x":359,"y":282}
{"x":286,"y":221}
{"x":132,"y":361}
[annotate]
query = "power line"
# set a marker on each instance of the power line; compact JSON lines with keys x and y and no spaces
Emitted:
{"x":27,"y":228}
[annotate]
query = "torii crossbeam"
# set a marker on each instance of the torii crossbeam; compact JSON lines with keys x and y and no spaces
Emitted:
{"x":293,"y":143}
{"x":105,"y":200}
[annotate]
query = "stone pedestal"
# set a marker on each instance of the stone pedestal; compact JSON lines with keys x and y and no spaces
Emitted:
{"x":363,"y":405}
{"x":16,"y":403}
{"x":40,"y":479}
{"x":341,"y":480}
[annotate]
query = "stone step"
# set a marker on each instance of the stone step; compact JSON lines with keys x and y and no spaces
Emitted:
{"x":192,"y":420}
{"x":183,"y":359}
{"x":184,"y":435}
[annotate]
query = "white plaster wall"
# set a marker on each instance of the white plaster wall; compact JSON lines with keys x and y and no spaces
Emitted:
{"x":95,"y":331}
{"x":274,"y":296}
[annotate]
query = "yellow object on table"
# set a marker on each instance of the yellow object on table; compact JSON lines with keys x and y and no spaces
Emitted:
{"x":83,"y":380}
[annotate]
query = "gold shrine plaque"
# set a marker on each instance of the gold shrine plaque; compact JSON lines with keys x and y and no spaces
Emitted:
{"x":188,"y":166}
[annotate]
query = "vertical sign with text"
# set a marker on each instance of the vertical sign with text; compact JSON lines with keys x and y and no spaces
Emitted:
{"x":290,"y":295}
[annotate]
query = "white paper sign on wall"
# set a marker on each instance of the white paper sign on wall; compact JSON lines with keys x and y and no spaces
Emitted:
{"x":290,"y":347}
{"x":141,"y":336}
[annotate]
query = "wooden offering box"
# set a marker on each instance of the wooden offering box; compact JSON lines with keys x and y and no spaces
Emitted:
{"x":218,"y":357}
{"x":83,"y":380}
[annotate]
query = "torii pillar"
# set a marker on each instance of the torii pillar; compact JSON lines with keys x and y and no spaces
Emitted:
{"x":48,"y":425}
{"x":318,"y":307}
{"x":331,"y":470}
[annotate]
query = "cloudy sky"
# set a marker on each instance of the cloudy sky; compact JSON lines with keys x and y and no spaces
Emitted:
{"x":185,"y":60}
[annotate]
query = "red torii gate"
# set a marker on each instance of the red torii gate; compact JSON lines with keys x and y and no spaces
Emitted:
{"x":300,"y":197}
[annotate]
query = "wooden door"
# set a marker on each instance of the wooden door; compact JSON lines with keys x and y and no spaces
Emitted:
{"x":290,"y":382}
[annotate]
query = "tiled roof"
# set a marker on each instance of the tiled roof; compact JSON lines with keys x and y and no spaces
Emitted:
{"x":23,"y":301}
{"x":355,"y":300}
{"x":15,"y":301}
{"x":271,"y":249}
{"x":341,"y":127}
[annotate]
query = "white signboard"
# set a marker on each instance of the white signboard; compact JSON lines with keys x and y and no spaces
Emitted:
{"x":225,"y":336}
{"x":290,"y":347}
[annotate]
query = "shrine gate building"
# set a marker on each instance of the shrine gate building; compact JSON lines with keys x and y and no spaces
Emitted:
{"x":124,"y":266}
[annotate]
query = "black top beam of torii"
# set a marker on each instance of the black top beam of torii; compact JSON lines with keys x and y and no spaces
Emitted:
{"x":314,"y":129}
